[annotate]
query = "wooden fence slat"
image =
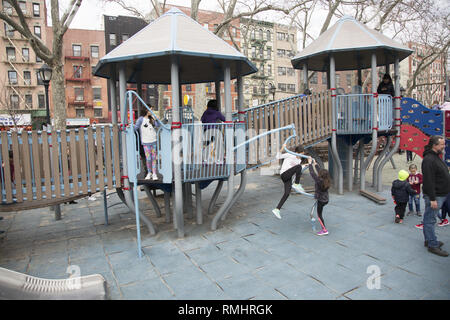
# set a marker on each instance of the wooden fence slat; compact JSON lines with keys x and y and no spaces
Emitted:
{"x":91,"y":155}
{"x":295,"y":105}
{"x":37,"y":164}
{"x":100,"y":164}
{"x":329,"y":113}
{"x":322,"y":114}
{"x":6,"y":168}
{"x":116,"y":163}
{"x":46,"y":165}
{"x":55,"y":164}
{"x":255,"y":131}
{"x":282,"y":114}
{"x":65,"y":163}
{"x":26,"y":163}
{"x":108,"y":155}
{"x":260,"y":131}
{"x":73,"y":161}
{"x":277,"y":123}
{"x":17,"y":166}
{"x":304,"y":116}
{"x":291,"y":119}
{"x":314,"y":112}
{"x":83,"y":163}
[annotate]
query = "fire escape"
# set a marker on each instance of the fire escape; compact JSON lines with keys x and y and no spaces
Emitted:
{"x":79,"y":75}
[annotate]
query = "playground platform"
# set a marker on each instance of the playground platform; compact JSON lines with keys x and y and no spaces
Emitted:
{"x":252,"y":256}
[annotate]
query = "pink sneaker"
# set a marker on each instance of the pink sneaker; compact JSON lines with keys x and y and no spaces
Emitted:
{"x":322,"y":232}
{"x":443,"y":223}
{"x":419,"y":226}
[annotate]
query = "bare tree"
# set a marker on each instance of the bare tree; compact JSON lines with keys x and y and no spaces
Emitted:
{"x":53,"y":55}
{"x":8,"y":107}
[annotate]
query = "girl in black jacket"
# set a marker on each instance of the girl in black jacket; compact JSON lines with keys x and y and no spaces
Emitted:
{"x":322,"y":183}
{"x":401,"y":190}
{"x":386,"y":86}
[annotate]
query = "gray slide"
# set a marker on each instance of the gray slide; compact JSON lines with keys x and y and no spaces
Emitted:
{"x":19,"y":286}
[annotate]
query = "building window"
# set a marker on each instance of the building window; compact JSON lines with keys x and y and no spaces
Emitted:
{"x":38,"y":60}
{"x":262,"y":89}
{"x":29,"y":101}
{"x":79,"y":113}
{"x":38,"y":78}
{"x":261,"y":34}
{"x":261,"y":69}
{"x":112,"y":39}
{"x":97,"y":93}
{"x":7,"y":8}
{"x":12,"y":77}
{"x":9,"y":31}
{"x":269,"y":53}
{"x":255,"y":90}
{"x":281,"y":36}
{"x":26,"y":54}
{"x":76,"y":50}
{"x":188,"y":87}
{"x":125,"y":37}
{"x":268,"y":35}
{"x":282,"y":87}
{"x":23,"y":7}
{"x":94,"y":51}
{"x":11,"y":53}
{"x":281,"y":71}
{"x":14,"y":101}
{"x":269,"y":70}
{"x":253,"y":52}
{"x":27,"y":77}
{"x":79,"y":94}
{"x":338,"y":80}
{"x":314,"y":78}
{"x":208,"y":87}
{"x":290,"y":71}
{"x":36,"y":10}
{"x":41,"y":101}
{"x":98,"y":112}
{"x":291,"y":87}
{"x":166,"y":102}
{"x":77,"y":72}
{"x":37,"y":31}
{"x":281,"y":53}
{"x":348,"y":77}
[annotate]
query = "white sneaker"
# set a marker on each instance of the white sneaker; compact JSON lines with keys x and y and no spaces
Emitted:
{"x":148,"y":176}
{"x":155,"y":176}
{"x":298,"y":187}
{"x":276,"y":212}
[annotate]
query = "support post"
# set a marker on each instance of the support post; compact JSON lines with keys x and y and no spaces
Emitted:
{"x":176,"y":146}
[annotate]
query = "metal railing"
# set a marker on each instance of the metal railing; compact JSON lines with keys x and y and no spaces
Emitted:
{"x":354,"y":113}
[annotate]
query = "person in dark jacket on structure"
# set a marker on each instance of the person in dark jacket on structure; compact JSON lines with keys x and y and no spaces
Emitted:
{"x":386,"y":86}
{"x":401,"y":190}
{"x":436,"y":186}
{"x":212,"y":114}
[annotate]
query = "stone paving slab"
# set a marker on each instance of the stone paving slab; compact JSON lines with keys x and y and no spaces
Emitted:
{"x":252,"y":255}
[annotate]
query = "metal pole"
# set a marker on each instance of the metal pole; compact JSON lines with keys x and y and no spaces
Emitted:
{"x":396,"y":124}
{"x":305,"y":77}
{"x":337,"y":161}
{"x":176,"y":146}
{"x":47,"y":105}
{"x":218,"y":96}
{"x":374,"y":124}
{"x":229,"y":146}
{"x":112,"y":91}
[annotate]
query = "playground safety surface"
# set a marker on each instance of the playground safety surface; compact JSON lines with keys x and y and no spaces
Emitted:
{"x":252,"y":254}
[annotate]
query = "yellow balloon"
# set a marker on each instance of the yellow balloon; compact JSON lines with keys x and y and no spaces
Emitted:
{"x":186,"y":99}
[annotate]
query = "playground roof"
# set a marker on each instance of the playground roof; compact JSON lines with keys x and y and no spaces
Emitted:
{"x":200,"y":54}
{"x":352,"y":44}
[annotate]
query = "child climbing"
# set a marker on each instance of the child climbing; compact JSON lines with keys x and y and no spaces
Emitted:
{"x":322,"y":181}
{"x":415,"y":180}
{"x":146,"y":125}
{"x":401,"y":190}
{"x":291,"y":165}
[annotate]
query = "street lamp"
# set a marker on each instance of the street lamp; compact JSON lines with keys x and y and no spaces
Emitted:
{"x":272,"y":91}
{"x":45,"y":73}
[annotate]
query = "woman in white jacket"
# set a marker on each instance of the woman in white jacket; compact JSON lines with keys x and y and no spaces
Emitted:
{"x":291,"y":165}
{"x":146,"y":126}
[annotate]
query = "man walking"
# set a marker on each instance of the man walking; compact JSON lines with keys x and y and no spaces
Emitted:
{"x":436,"y":186}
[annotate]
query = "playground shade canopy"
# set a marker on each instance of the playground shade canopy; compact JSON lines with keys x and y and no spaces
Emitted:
{"x":148,"y":54}
{"x":352,"y":44}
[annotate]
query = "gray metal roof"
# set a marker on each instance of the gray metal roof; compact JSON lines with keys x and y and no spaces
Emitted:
{"x":352,"y":44}
{"x":200,"y":53}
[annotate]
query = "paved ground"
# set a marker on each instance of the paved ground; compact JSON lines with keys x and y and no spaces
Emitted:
{"x":252,"y":255}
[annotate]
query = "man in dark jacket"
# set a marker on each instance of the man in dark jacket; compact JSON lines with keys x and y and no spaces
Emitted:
{"x":436,"y":186}
{"x":386,"y":86}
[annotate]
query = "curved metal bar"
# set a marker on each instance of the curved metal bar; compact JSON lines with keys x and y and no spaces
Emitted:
{"x":212,"y":203}
{"x":129,"y":201}
{"x":152,"y":200}
{"x":369,"y":158}
{"x":380,"y":157}
{"x":238,"y":193}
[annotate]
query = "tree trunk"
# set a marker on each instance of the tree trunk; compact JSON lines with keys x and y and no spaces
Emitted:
{"x":58,"y":96}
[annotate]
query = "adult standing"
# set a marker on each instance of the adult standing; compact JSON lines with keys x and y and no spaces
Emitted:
{"x":386,"y":86}
{"x":436,"y":186}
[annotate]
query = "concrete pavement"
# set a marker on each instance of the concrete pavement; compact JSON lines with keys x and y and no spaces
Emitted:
{"x":252,"y":254}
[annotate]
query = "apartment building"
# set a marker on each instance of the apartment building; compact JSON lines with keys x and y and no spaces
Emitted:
{"x":21,"y":91}
{"x":431,"y":81}
{"x":86,"y":95}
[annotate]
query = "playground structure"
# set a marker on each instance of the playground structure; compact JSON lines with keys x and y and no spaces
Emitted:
{"x":82,"y":162}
